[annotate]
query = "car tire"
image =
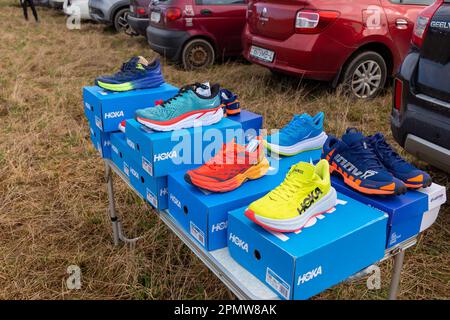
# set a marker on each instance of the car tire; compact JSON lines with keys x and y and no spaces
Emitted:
{"x":365,"y":75}
{"x":120,"y":20}
{"x":197,"y":54}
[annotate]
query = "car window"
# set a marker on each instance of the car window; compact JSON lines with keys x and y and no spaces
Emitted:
{"x":220,"y":2}
{"x":416,"y":2}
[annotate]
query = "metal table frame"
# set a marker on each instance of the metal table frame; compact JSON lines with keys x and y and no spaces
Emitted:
{"x":211,"y":261}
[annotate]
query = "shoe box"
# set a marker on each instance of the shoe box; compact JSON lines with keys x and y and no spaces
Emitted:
{"x":160,"y":153}
{"x":329,"y":249}
{"x":409,"y":214}
{"x":106,"y":109}
{"x":251,"y":123}
{"x":154,"y":190}
{"x":101,"y":141}
{"x":204,"y":215}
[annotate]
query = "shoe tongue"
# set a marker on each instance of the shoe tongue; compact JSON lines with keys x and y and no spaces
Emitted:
{"x":142,"y":61}
{"x":352,"y":136}
{"x":303,"y":171}
{"x":206,"y":92}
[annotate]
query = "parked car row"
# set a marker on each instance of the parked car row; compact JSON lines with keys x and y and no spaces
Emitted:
{"x":357,"y":44}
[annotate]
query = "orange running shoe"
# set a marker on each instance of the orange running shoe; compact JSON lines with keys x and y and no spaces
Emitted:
{"x":233,"y":165}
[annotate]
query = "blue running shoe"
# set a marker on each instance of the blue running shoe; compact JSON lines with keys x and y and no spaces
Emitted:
{"x":401,"y":169}
{"x":303,"y":133}
{"x":230,"y":102}
{"x":354,"y":159}
{"x":194,"y":105}
{"x":137,"y":73}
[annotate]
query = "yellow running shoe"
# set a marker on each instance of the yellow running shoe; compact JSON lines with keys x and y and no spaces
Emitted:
{"x":306,"y":192}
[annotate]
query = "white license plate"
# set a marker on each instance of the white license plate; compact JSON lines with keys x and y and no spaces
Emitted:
{"x":155,"y":17}
{"x":262,"y":54}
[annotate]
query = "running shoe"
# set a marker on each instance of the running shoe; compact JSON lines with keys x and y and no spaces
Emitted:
{"x":401,"y":169}
{"x":194,"y":105}
{"x":233,"y":165}
{"x":230,"y":102}
{"x":137,"y":73}
{"x":306,"y":192}
{"x":354,"y":159}
{"x":303,"y":133}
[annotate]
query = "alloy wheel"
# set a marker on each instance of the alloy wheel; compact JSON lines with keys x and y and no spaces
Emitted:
{"x":366,"y":79}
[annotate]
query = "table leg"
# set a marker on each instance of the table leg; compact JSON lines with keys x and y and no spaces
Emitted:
{"x":396,"y":275}
{"x":112,"y":205}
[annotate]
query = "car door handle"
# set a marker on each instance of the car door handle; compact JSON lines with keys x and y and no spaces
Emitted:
{"x":205,"y":12}
{"x":401,"y":23}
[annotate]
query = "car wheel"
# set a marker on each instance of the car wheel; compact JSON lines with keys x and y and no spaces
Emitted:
{"x":121,"y":20}
{"x":365,"y":75}
{"x":197,"y":54}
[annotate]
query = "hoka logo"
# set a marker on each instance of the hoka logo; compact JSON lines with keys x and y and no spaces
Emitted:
{"x":238,"y":242}
{"x":163,"y":192}
{"x":131,"y":144}
{"x":309,"y":275}
{"x":219,"y":226}
{"x":175,"y":201}
{"x":165,"y":156}
{"x":114,"y":148}
{"x":134,"y":173}
{"x":350,"y":167}
{"x":309,"y":200}
{"x":114,"y":114}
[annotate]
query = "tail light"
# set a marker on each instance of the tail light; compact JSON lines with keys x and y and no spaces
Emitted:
{"x":140,"y":11}
{"x":173,"y":14}
{"x":312,"y":21}
{"x":398,"y":84}
{"x":422,"y":23}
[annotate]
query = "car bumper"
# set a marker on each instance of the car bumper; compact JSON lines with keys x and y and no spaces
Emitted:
{"x":139,"y":25}
{"x":168,"y":43}
{"x":314,"y":56}
{"x":428,"y":151}
{"x":99,"y":11}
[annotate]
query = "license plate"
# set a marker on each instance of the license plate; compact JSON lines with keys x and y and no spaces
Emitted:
{"x":155,"y":17}
{"x":262,"y":54}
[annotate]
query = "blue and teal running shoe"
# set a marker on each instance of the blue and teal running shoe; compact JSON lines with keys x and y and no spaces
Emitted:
{"x":303,"y":133}
{"x":354,"y":160}
{"x":194,"y":105}
{"x":137,"y":73}
{"x":401,"y":169}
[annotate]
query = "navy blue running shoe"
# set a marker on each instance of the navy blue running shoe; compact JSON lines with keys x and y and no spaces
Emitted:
{"x":137,"y":73}
{"x":354,"y":159}
{"x":401,"y":169}
{"x":230,"y":102}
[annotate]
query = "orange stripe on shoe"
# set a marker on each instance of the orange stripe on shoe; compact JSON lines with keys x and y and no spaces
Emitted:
{"x":418,"y":178}
{"x":389,"y":187}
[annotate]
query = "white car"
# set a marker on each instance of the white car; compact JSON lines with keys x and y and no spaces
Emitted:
{"x":77,"y":7}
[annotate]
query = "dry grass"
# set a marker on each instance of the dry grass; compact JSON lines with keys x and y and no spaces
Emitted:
{"x":52,"y":197}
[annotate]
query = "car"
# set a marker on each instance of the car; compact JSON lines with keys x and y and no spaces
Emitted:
{"x":138,"y":16}
{"x":196,"y":32}
{"x":56,"y":4}
{"x":420,"y":119}
{"x":355,"y":43}
{"x":111,"y":12}
{"x":80,"y":7}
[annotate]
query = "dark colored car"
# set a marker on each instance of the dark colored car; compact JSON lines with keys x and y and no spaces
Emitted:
{"x":421,"y":105}
{"x":138,"y":16}
{"x":356,"y":42}
{"x":196,"y":32}
{"x":111,"y":12}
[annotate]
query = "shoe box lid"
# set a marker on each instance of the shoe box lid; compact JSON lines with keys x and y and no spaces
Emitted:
{"x":204,"y":214}
{"x":329,"y":249}
{"x":160,"y":153}
{"x":107,"y":109}
{"x":405,"y":211}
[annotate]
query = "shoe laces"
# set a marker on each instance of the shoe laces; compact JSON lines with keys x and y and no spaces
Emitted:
{"x":288,"y":188}
{"x":220,"y":159}
{"x":292,"y":127}
{"x":387,"y":152}
{"x":365,"y":152}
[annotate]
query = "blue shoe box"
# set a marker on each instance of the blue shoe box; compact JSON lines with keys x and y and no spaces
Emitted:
{"x":332,"y":247}
{"x":204,"y":215}
{"x":107,"y":109}
{"x":154,"y":190}
{"x":160,"y":153}
{"x":405,"y":212}
{"x":101,"y":141}
{"x":251,"y":123}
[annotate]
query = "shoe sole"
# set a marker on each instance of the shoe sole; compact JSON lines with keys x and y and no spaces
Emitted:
{"x":310,"y":144}
{"x":252,"y":173}
{"x":298,"y":223}
{"x":354,"y":185}
{"x":147,"y":83}
{"x":191,"y":119}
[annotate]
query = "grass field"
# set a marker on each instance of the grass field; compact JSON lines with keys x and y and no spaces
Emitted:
{"x":52,"y":194}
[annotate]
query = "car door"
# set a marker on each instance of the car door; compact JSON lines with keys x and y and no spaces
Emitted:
{"x":401,"y":16}
{"x":224,"y":20}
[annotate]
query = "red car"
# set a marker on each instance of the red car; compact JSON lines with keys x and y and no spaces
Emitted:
{"x":196,"y":32}
{"x":359,"y":43}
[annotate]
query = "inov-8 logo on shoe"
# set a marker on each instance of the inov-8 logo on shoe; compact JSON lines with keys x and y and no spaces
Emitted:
{"x":350,"y":167}
{"x":309,"y":200}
